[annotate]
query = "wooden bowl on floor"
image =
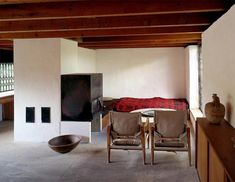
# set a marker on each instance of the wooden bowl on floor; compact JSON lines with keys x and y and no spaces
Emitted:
{"x":64,"y":143}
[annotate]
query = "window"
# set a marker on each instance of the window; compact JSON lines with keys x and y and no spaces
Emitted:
{"x":194,"y":81}
{"x":193,"y":77}
{"x":200,"y":67}
{"x":6,"y":77}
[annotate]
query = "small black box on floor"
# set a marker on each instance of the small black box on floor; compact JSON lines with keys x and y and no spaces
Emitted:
{"x":46,"y":114}
{"x":30,"y":114}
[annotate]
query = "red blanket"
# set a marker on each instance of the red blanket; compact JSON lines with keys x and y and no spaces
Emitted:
{"x":127,"y":104}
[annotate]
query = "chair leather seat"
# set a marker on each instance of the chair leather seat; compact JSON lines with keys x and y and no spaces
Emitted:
{"x":127,"y":141}
{"x":169,"y":144}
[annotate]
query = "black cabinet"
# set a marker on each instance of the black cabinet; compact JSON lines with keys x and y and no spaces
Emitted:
{"x":81,"y":97}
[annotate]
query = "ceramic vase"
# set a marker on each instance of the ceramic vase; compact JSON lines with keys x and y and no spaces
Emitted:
{"x":214,"y":110}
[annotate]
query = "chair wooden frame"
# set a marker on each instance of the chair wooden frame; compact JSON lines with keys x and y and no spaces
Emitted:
{"x":187,"y":144}
{"x":110,"y":144}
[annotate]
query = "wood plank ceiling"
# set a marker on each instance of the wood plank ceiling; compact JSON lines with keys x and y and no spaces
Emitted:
{"x":100,"y":24}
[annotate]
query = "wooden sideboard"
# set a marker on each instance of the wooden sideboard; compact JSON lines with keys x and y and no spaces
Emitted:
{"x":215,"y":154}
{"x":8,"y":107}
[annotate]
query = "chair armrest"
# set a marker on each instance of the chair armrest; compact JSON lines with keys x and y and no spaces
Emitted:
{"x":142,"y":129}
{"x":109,"y":135}
{"x":109,"y":129}
{"x":187,"y":124}
{"x":186,"y":133}
{"x":142,"y":135}
{"x":188,"y":130}
{"x":187,"y":127}
{"x":152,"y":130}
{"x":151,"y":127}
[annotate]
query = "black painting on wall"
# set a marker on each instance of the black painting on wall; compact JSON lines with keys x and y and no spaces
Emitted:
{"x":46,"y":114}
{"x":78,"y":93}
{"x":30,"y":114}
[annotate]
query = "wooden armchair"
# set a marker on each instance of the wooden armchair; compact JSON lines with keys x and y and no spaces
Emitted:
{"x":125,"y":132}
{"x":170,"y":132}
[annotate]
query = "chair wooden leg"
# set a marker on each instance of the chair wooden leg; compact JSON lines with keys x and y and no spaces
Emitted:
{"x":189,"y":156}
{"x":108,"y":141}
{"x":148,"y":140}
{"x":108,"y":155}
{"x":189,"y":145}
{"x":142,"y":139}
{"x":144,"y":155}
{"x":152,"y":145}
{"x":147,"y":131}
{"x":152,"y":155}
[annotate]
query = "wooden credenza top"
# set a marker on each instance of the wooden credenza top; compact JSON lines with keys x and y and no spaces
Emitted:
{"x":219,"y":136}
{"x":6,"y":99}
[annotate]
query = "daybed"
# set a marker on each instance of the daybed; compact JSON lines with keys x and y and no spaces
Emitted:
{"x":128,"y":104}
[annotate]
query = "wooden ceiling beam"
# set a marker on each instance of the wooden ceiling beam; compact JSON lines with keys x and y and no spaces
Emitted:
{"x":161,"y":20}
{"x":136,"y":43}
{"x":192,"y":36}
{"x":6,"y":43}
{"x":6,"y":48}
{"x":101,"y":8}
{"x":7,"y":2}
{"x":105,"y":32}
{"x":136,"y":46}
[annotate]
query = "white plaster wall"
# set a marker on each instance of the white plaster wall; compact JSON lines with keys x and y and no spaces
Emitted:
{"x":147,"y":72}
{"x":218,"y":58}
{"x":86,"y":60}
{"x":75,"y":59}
{"x":37,"y":84}
{"x":69,"y":56}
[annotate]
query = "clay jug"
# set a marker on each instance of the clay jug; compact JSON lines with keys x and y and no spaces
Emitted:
{"x":214,"y":110}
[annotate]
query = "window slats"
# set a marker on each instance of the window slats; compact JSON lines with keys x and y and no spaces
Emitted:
{"x":6,"y":77}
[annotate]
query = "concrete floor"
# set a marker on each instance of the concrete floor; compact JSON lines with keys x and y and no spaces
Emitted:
{"x":36,"y":162}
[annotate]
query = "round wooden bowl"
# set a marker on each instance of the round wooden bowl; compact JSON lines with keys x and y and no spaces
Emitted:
{"x":64,"y":143}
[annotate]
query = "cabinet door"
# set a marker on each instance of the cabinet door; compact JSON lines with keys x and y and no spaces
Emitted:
{"x":202,"y":155}
{"x":8,"y":111}
{"x":216,"y":170}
